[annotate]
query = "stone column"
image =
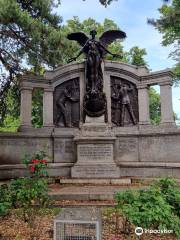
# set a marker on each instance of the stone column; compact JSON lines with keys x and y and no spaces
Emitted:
{"x":26,"y":107}
{"x":48,"y":107}
{"x":143,"y":102}
{"x":166,"y":103}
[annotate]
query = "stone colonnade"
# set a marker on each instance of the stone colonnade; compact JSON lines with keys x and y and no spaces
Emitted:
{"x":166,"y":103}
{"x":138,"y":75}
{"x":26,"y":107}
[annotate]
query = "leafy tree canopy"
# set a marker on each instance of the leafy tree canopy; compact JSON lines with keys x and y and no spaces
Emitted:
{"x":169,"y":25}
{"x":30,"y":37}
{"x":155,"y":106}
{"x":137,"y":56}
{"x":29,"y":30}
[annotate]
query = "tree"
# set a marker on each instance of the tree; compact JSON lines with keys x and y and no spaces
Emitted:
{"x":155,"y":106}
{"x":29,"y":31}
{"x":30,"y":37}
{"x":169,"y":25}
{"x":137,"y":56}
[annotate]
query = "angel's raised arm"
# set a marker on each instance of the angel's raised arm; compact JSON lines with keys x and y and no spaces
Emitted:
{"x":74,"y":58}
{"x":107,"y":51}
{"x":108,"y":37}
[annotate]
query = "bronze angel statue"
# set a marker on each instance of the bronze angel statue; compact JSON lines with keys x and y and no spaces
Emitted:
{"x":95,"y":51}
{"x":95,"y":103}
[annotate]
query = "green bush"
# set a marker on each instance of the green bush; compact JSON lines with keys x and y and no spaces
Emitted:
{"x":171,"y":193}
{"x":5,"y":200}
{"x":26,"y":192}
{"x":11,"y":124}
{"x":156,"y":207}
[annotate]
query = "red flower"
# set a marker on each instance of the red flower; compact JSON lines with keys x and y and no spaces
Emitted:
{"x":43,"y":161}
{"x":32,"y":169}
{"x":34,"y":161}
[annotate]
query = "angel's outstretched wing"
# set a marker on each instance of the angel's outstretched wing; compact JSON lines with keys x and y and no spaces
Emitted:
{"x":110,"y":36}
{"x":80,"y":37}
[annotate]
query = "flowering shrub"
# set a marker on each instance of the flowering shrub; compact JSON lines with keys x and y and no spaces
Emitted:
{"x":36,"y":164}
{"x":33,"y":190}
{"x":29,"y":192}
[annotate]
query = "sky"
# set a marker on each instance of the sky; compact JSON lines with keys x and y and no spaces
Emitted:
{"x":131,"y":16}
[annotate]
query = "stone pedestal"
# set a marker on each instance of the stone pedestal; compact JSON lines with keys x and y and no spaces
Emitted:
{"x":95,"y":155}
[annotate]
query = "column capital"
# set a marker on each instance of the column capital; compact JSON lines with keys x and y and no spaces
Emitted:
{"x":26,"y":88}
{"x":142,"y":86}
{"x":165,"y":83}
{"x":49,"y":89}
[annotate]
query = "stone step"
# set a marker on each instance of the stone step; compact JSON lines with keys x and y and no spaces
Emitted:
{"x":119,"y":181}
{"x":86,"y":203}
{"x":88,"y":192}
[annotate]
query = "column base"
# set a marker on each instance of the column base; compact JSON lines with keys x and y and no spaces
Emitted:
{"x":25,"y":128}
{"x":144,"y":123}
{"x":48,"y":126}
{"x":168,"y":124}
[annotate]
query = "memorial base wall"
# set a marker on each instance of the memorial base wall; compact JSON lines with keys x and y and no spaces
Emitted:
{"x":138,"y":152}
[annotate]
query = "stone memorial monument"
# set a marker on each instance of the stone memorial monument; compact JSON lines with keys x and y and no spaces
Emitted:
{"x":95,"y":151}
{"x":96,"y":121}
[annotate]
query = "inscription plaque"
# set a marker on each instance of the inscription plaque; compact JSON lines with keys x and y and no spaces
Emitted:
{"x":95,"y":159}
{"x":94,"y":152}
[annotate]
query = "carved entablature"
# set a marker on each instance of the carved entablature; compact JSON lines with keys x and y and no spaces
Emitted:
{"x":124,"y":102}
{"x":66,"y":106}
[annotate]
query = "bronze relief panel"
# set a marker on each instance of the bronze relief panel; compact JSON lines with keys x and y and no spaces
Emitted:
{"x":67,"y":104}
{"x":124,"y":102}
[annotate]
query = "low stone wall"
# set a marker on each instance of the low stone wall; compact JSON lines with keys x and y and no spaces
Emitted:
{"x":139,"y":151}
{"x":148,"y":152}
